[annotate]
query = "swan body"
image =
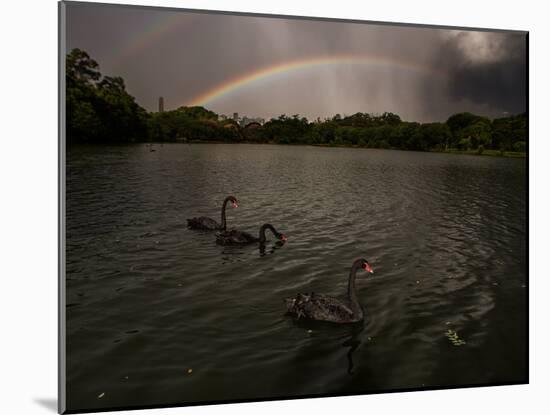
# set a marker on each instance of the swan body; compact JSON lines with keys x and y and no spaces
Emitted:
{"x":204,"y":223}
{"x":236,"y":237}
{"x":208,"y":224}
{"x":321,"y":307}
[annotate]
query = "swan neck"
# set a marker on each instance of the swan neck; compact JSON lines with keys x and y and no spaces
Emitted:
{"x":224,"y":226}
{"x":262,"y":231}
{"x":352,"y":295}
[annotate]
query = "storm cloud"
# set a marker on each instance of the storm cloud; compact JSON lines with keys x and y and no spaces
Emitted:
{"x":422,"y":74}
{"x":487,"y":69}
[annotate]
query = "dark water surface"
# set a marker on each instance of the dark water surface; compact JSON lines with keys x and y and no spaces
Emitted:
{"x":149,"y":299}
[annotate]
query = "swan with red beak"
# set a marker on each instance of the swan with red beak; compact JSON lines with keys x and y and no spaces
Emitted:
{"x":208,"y":224}
{"x":321,"y":307}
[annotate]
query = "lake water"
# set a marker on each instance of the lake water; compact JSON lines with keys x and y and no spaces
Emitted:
{"x":159,"y":314}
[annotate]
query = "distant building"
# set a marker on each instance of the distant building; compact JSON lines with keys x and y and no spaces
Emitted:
{"x":248,"y":120}
{"x":236,"y":116}
{"x":161,"y":104}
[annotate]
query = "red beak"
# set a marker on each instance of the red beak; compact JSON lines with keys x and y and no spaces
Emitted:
{"x":235,"y":205}
{"x":368,"y":268}
{"x":282,"y":237}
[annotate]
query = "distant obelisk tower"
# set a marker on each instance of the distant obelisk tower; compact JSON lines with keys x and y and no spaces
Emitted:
{"x":161,"y":104}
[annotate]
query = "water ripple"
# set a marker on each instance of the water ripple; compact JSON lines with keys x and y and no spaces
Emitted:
{"x":149,"y":299}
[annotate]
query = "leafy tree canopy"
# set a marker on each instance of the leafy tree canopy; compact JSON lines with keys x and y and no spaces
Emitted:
{"x":99,"y":110}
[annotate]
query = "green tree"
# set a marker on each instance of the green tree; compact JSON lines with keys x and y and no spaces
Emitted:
{"x":479,"y":134}
{"x":99,"y":109}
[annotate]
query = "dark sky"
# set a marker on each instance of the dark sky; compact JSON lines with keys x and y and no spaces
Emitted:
{"x":419,"y":73}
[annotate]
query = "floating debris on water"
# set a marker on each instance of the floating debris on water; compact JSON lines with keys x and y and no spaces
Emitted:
{"x":454,"y":338}
{"x":418,"y":282}
{"x":101,"y":395}
{"x":189,"y":371}
{"x":310,"y":331}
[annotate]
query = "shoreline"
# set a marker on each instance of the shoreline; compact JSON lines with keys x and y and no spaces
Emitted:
{"x":488,"y":152}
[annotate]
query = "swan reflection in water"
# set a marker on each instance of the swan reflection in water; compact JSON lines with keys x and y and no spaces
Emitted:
{"x":235,"y":253}
{"x":353,"y":342}
{"x":263,"y":251}
{"x":349,"y":336}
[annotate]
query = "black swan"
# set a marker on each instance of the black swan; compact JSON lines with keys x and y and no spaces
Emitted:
{"x":236,"y":237}
{"x":209,"y":224}
{"x":323,"y":308}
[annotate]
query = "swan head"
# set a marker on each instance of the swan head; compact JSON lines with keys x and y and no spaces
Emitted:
{"x":280,"y":236}
{"x":366,"y":266}
{"x":234,"y":203}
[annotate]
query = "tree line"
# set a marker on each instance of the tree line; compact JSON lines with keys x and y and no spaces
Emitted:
{"x":100,"y":110}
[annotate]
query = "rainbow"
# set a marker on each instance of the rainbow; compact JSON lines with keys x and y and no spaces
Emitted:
{"x":269,"y":72}
{"x":150,"y":34}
